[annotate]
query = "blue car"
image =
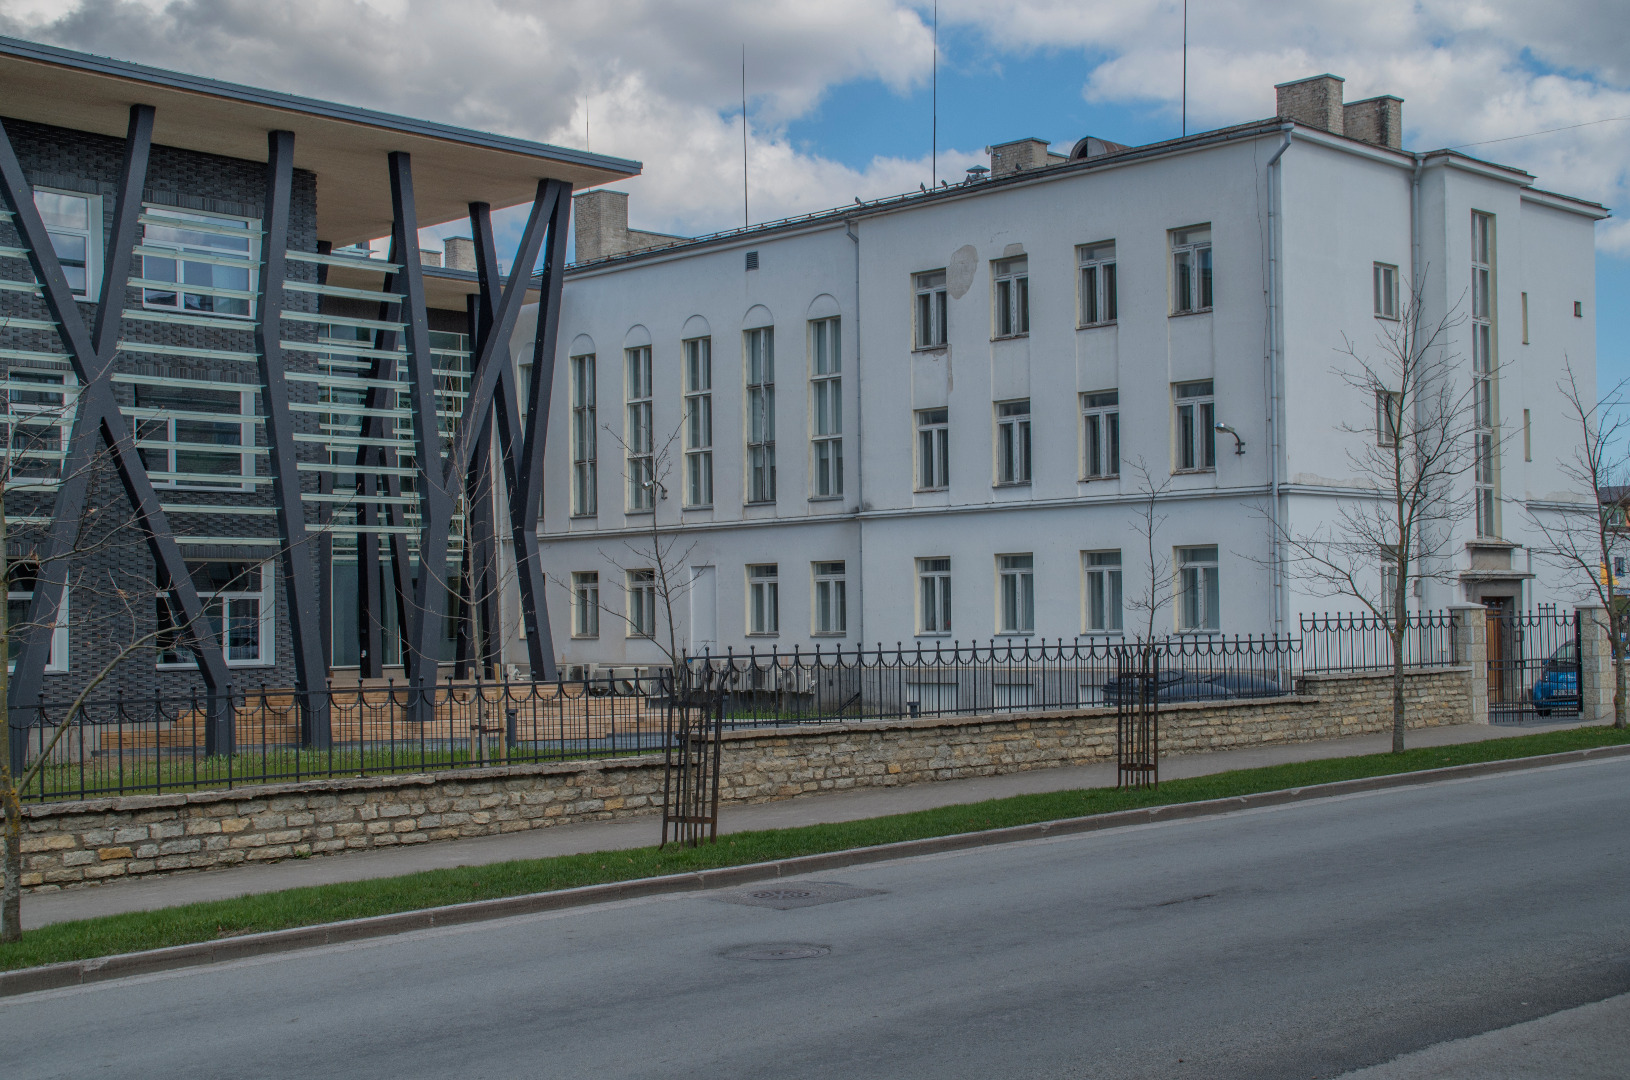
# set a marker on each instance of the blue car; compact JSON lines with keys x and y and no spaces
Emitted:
{"x":1558,"y":685}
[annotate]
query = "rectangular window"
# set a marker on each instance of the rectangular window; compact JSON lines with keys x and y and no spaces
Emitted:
{"x":1527,"y":436}
{"x":637,"y":435}
{"x":831,"y":598}
{"x":21,"y":577}
{"x":1017,"y":594}
{"x":1485,"y":476}
{"x":934,"y":596}
{"x":1103,"y":572}
{"x":1388,"y":415}
{"x":761,"y":415}
{"x":1013,"y":442}
{"x":826,"y":408}
{"x":585,"y":467}
{"x":1196,"y":426}
{"x":1098,"y":299}
{"x":1101,"y":416}
{"x":586,"y":604}
{"x":74,"y":223}
{"x":237,"y":602}
{"x":198,"y":263}
{"x":1191,"y":269}
{"x":1525,"y":318}
{"x":1198,"y":593}
{"x":763,"y":599}
{"x":642,"y":603}
{"x":195,"y":438}
{"x":699,"y":422}
{"x":932,"y":322}
{"x":1012,"y":297}
{"x":933,"y":449}
{"x":38,"y":418}
{"x":1386,"y":291}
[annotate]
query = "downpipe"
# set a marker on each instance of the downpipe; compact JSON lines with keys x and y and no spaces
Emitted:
{"x":1275,"y":518}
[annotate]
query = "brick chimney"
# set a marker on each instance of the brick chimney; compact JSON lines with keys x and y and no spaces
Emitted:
{"x":1021,"y":155}
{"x":1314,"y":101}
{"x":1376,"y":120}
{"x":600,"y":223}
{"x":458,"y":253}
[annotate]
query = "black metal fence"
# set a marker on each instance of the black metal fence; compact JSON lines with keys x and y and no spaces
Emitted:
{"x":1362,"y":642}
{"x":1533,"y":665}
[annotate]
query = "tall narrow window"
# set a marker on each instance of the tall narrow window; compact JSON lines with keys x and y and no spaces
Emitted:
{"x":1527,"y":435}
{"x":37,"y":413}
{"x":1386,"y":290}
{"x":1098,"y":300}
{"x":642,"y":603}
{"x":1388,"y":415}
{"x":1013,"y":442}
{"x":1199,"y":595}
{"x":637,"y":435}
{"x":1012,"y":299}
{"x":763,"y":599}
{"x":831,"y":598}
{"x":1389,"y":580}
{"x":1103,"y":571}
{"x":1196,"y":426}
{"x":1485,"y":395}
{"x":1525,"y":318}
{"x":74,"y":223}
{"x":21,"y":578}
{"x":1101,"y":416}
{"x":237,"y":602}
{"x":699,"y":422}
{"x":202,"y":263}
{"x":933,"y":449}
{"x":761,"y":415}
{"x":585,"y":467}
{"x":826,"y":408}
{"x":1191,"y":269}
{"x":934,"y":596}
{"x":932,"y":323}
{"x":1017,"y":593}
{"x":586,"y":604}
{"x":191,"y":437}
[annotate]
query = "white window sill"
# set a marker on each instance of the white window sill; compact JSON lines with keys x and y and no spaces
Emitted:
{"x":1096,"y":325}
{"x":234,"y":664}
{"x":1195,"y":311}
{"x":829,"y":633}
{"x":941,"y":635}
{"x":1011,"y":484}
{"x":584,"y":517}
{"x":1015,"y":633}
{"x":1102,"y":633}
{"x":941,"y":347}
{"x":930,"y":491}
{"x":1010,"y":337}
{"x":585,"y":637}
{"x":1211,"y":470}
{"x":1096,"y":479}
{"x":826,"y":498}
{"x":1394,"y":318}
{"x":763,"y":633}
{"x":698,"y":506}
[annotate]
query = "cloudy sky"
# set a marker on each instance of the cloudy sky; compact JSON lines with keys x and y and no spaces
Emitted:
{"x":838,"y":91}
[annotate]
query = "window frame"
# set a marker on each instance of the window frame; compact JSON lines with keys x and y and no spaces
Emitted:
{"x":1016,"y":594}
{"x":763,"y":599}
{"x":1485,"y":380}
{"x":1385,"y":287}
{"x":1200,"y":421}
{"x":144,"y":417}
{"x":932,"y":456}
{"x":585,"y":493}
{"x":933,"y":599}
{"x":1103,"y":580}
{"x":1204,"y":596}
{"x":57,"y":657}
{"x":698,"y":406}
{"x":202,"y":256}
{"x":17,"y":415}
{"x":826,"y":408}
{"x":1097,"y":285}
{"x":1010,"y":297}
{"x":92,"y":234}
{"x":829,"y":594}
{"x":759,"y":405}
{"x":1015,"y":446}
{"x":640,"y":587}
{"x":1388,"y":418}
{"x":930,"y":311}
{"x":639,"y":438}
{"x":586,"y":604}
{"x":265,"y":617}
{"x":1193,"y":273}
{"x":1101,"y":434}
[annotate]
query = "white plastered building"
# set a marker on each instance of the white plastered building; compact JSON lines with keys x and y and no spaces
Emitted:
{"x":963,"y":378}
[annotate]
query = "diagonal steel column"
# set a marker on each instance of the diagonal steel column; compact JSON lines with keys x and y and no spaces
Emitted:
{"x":98,"y":421}
{"x":299,"y":571}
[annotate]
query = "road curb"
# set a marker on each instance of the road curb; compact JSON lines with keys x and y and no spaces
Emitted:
{"x":101,"y":969}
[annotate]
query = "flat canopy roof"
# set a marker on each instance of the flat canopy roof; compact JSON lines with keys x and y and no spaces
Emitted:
{"x":345,"y":146}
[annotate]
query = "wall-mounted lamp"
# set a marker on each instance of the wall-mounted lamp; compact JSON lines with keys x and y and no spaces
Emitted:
{"x":655,"y":485}
{"x":1239,"y":443}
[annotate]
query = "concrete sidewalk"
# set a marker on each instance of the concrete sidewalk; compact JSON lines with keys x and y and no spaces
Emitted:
{"x":40,"y":909}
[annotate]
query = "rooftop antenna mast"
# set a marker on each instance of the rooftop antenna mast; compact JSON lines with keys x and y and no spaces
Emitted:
{"x":1185,"y":67}
{"x":746,"y":220}
{"x":934,"y":138}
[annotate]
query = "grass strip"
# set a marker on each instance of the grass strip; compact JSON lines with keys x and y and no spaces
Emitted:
{"x":210,"y":920}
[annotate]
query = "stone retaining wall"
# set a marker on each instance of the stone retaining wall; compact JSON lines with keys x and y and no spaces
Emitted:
{"x":80,"y":843}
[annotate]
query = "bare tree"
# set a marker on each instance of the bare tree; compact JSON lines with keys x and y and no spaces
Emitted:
{"x":1424,"y":420}
{"x":1160,"y":588}
{"x":1586,"y":542}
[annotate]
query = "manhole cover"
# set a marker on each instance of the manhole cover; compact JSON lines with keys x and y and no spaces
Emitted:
{"x":785,"y":898}
{"x":776,"y":952}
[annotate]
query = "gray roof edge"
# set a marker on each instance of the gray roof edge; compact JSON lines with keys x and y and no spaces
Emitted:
{"x":177,"y":80}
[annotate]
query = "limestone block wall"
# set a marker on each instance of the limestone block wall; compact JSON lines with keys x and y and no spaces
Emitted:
{"x":81,"y":843}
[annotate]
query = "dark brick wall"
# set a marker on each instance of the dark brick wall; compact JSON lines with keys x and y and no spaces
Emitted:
{"x":114,"y":602}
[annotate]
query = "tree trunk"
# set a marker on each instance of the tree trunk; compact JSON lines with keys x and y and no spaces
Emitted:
{"x":11,"y":902}
{"x":1619,"y":702}
{"x":1397,"y":692}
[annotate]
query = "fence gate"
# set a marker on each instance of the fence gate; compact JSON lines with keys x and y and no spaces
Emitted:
{"x":690,"y":784}
{"x":1533,"y":665}
{"x":1137,"y":717}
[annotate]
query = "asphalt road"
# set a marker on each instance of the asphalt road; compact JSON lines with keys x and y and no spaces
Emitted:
{"x":1301,"y":941}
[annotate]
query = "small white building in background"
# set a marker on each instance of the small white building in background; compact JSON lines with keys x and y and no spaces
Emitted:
{"x":916,"y":420}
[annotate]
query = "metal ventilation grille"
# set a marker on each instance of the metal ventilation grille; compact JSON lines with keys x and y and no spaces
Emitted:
{"x":752,"y":260}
